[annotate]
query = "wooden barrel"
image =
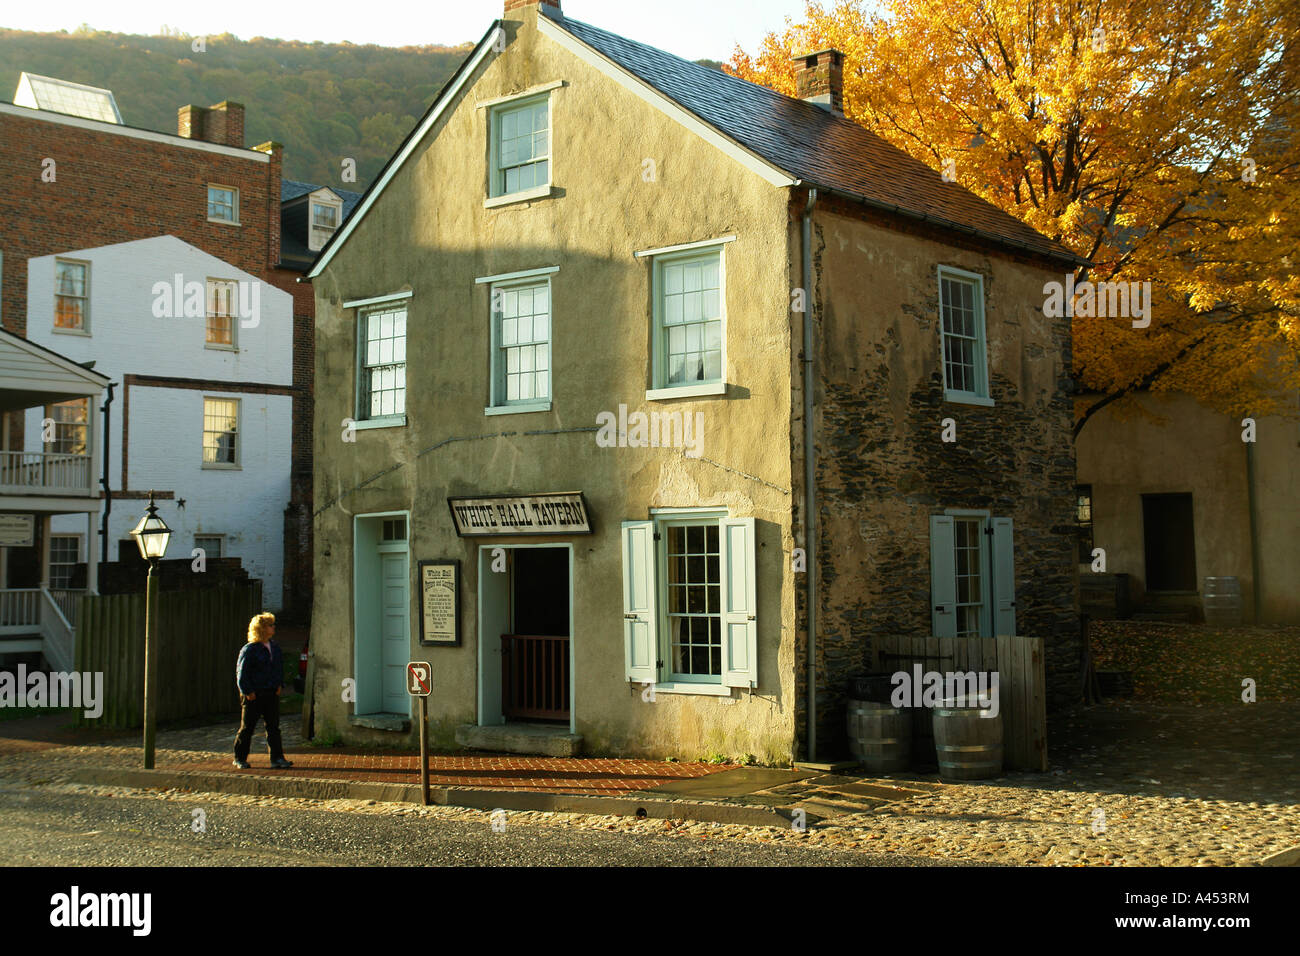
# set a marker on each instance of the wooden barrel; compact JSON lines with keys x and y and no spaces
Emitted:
{"x":969,"y":747}
{"x":880,"y":736}
{"x":1222,"y":600}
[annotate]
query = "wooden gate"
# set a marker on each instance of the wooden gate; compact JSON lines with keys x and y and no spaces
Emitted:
{"x":1022,"y":699}
{"x":535,"y":676}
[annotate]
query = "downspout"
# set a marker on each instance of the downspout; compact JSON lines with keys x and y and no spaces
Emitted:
{"x":1252,"y":505}
{"x":108,"y":492}
{"x":810,"y":472}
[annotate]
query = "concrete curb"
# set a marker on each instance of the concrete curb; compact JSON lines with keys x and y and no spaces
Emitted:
{"x":477,"y":799}
{"x":1289,"y":857}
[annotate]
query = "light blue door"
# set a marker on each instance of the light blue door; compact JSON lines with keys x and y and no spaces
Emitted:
{"x":395,"y":631}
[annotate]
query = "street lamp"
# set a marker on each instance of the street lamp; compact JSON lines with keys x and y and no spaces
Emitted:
{"x":151,"y":536}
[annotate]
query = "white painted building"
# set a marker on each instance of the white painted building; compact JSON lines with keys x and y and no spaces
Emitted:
{"x":201,"y":357}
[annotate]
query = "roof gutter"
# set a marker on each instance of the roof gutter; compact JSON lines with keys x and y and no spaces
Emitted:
{"x":810,"y":474}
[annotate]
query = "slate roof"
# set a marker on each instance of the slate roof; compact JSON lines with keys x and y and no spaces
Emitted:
{"x":810,"y":143}
{"x":292,"y":189}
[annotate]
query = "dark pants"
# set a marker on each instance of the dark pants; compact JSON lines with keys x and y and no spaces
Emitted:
{"x":267,"y":706}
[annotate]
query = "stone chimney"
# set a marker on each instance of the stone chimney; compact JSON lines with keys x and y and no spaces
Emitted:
{"x":222,"y":124}
{"x":819,"y":80}
{"x":517,"y":6}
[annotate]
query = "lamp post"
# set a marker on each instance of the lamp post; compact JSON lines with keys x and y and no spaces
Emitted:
{"x":151,"y":536}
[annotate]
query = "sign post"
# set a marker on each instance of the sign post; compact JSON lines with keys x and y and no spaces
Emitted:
{"x":418,"y":681}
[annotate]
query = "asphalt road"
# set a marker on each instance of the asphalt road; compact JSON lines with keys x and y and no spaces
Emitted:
{"x":39,"y":828}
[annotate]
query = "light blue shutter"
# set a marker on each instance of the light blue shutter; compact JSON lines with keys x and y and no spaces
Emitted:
{"x":739,"y":615}
{"x":943,"y":577}
{"x":640,"y":611}
{"x":1004,"y":578}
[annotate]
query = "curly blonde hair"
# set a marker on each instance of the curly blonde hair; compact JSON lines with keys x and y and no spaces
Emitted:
{"x":258,"y":625}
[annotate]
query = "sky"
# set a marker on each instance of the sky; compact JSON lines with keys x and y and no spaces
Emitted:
{"x":694,"y":29}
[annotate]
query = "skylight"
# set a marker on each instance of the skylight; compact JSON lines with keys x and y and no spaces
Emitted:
{"x":62,"y":96}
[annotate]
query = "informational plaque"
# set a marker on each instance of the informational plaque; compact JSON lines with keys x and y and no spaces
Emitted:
{"x":561,"y":513}
{"x":440,"y":603}
{"x":17,"y":531}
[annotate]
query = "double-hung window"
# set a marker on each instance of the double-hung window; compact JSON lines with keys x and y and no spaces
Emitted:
{"x":223,"y":204}
{"x":383,"y":363}
{"x":325,"y":215}
{"x":521,"y":325}
{"x":520,"y":147}
{"x":65,"y":555}
{"x":689,"y":319}
{"x":220,"y":433}
{"x":965,"y":346}
{"x":222,"y":296}
{"x":71,"y":427}
{"x":689,"y":616}
{"x":71,"y":296}
{"x":972,"y":575}
{"x":1083,"y":519}
{"x":212,"y":545}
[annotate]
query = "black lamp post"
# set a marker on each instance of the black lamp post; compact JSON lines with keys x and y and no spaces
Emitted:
{"x":151,"y":536}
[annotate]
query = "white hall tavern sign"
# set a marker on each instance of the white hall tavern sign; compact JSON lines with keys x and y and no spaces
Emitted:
{"x":564,"y":512}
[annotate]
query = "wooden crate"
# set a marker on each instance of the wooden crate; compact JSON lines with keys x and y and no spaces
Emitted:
{"x":1022,"y":698}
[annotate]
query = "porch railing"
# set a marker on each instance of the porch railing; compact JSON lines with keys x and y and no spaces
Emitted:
{"x":20,"y":610}
{"x":24,"y":472}
{"x":535,"y":676}
{"x":58,"y":633}
{"x":66,"y":599}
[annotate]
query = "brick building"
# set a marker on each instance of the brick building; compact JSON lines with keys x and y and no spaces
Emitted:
{"x":75,"y":177}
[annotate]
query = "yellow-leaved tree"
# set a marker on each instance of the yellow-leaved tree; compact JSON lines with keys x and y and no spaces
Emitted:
{"x":1161,"y":140}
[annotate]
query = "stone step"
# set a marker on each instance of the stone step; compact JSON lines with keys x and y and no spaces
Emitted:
{"x":536,"y":739}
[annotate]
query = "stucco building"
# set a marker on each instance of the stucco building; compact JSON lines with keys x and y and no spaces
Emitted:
{"x":1180,"y":493}
{"x":572,"y":425}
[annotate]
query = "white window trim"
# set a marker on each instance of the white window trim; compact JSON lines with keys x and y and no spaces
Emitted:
{"x":524,"y":195}
{"x":683,"y":247}
{"x":392,"y":421}
{"x":495,"y":198}
{"x":337,"y":206}
{"x":659,"y":389}
{"x":227,"y":222}
{"x":80,"y":558}
{"x":85,"y":318}
{"x":377,"y":300}
{"x":234,"y":318}
{"x":982,"y":352}
{"x":379,"y":421}
{"x":219,"y":537}
{"x":238,"y":463}
{"x":526,"y":274}
{"x":681,"y":684}
{"x":522,"y":95}
{"x":499,"y":405}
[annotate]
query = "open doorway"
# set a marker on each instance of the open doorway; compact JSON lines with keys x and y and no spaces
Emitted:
{"x":1170,"y":542}
{"x":525,"y":633}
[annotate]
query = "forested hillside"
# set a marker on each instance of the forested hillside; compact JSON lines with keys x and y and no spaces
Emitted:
{"x":323,"y":101}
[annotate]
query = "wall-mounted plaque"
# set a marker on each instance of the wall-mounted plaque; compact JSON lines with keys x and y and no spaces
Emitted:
{"x":17,"y":531}
{"x":561,"y":513}
{"x":440,"y":603}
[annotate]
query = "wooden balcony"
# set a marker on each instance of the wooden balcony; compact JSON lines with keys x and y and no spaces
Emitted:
{"x":45,"y":473}
{"x":534,"y":677}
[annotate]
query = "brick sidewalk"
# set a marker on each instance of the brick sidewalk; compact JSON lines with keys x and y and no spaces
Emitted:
{"x":584,"y":775}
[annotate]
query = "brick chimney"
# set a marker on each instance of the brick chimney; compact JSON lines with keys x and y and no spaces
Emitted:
{"x":223,"y":123}
{"x":819,"y":79}
{"x":513,"y":6}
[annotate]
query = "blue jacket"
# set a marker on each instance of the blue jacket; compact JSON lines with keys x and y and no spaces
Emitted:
{"x":257,"y":670}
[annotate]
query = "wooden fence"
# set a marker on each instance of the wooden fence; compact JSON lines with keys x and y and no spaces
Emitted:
{"x":199,"y":637}
{"x":1022,"y":698}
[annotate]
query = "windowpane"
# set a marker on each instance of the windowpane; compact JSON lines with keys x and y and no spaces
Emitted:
{"x":522,"y":146}
{"x":963,"y":344}
{"x":70,"y":295}
{"x":970,"y":582}
{"x":220,"y":430}
{"x":524,"y":356}
{"x":384,"y":366}
{"x":690,"y":310}
{"x":694,"y":599}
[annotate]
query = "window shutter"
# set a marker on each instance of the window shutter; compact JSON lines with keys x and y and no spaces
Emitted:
{"x":1004,"y":578}
{"x":943,"y":577}
{"x":640,"y":611}
{"x":739,"y":615}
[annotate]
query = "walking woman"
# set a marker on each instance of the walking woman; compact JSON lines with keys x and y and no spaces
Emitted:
{"x":259,"y":674}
